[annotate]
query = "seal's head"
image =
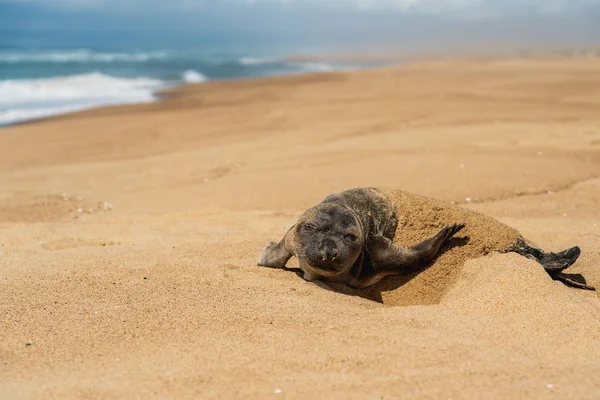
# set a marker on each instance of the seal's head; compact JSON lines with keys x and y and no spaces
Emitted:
{"x":329,"y":239}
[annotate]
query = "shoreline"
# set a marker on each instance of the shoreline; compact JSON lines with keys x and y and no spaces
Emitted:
{"x":174,"y":90}
{"x":367,"y":61}
{"x":307,"y":68}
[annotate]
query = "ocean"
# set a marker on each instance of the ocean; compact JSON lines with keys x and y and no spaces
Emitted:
{"x":40,"y":77}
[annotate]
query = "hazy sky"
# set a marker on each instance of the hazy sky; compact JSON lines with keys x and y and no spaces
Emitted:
{"x":476,"y":8}
{"x":410,"y":24}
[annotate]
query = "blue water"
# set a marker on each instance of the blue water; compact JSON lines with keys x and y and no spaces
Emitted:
{"x":50,"y":73}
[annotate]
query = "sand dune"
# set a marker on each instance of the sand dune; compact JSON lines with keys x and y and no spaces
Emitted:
{"x":129,"y":237}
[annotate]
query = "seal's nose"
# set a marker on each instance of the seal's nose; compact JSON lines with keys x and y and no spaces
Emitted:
{"x":329,"y":250}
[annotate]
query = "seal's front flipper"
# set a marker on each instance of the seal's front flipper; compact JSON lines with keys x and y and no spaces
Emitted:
{"x":430,"y":248}
{"x":389,"y":259}
{"x":275,"y":255}
{"x":387,"y":256}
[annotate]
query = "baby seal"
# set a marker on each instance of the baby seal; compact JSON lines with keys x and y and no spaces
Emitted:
{"x":349,"y":238}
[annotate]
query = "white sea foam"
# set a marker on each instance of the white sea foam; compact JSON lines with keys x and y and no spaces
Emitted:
{"x":78,"y":56}
{"x":191,"y":76}
{"x":314,"y":66}
{"x":76,"y":87}
{"x":26,"y":99}
{"x":258,"y":61}
{"x":11,"y":116}
{"x":302,"y":66}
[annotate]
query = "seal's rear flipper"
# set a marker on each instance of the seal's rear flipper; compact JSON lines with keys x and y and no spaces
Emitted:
{"x":554,"y":263}
{"x":557,"y":262}
{"x":571,"y":282}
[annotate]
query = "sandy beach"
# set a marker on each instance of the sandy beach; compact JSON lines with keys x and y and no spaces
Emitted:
{"x":129,"y":237}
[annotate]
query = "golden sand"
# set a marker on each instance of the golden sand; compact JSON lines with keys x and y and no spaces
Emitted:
{"x":420,"y":218}
{"x":129,"y":237}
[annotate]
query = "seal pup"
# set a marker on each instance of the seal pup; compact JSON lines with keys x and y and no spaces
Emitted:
{"x":349,"y":238}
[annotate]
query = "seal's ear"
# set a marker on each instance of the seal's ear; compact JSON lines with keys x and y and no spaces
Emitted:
{"x":276,"y":255}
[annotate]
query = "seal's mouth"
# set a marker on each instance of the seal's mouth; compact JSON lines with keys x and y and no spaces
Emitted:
{"x":323,"y":270}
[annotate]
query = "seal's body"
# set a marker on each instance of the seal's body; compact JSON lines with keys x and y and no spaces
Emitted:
{"x":348,"y":238}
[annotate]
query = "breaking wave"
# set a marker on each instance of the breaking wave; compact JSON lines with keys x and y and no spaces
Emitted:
{"x":192,"y":76}
{"x":91,"y":78}
{"x":78,"y":56}
{"x":34,"y":98}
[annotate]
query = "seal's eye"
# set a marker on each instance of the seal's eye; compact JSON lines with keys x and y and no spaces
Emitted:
{"x":310,"y":228}
{"x":350,"y":237}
